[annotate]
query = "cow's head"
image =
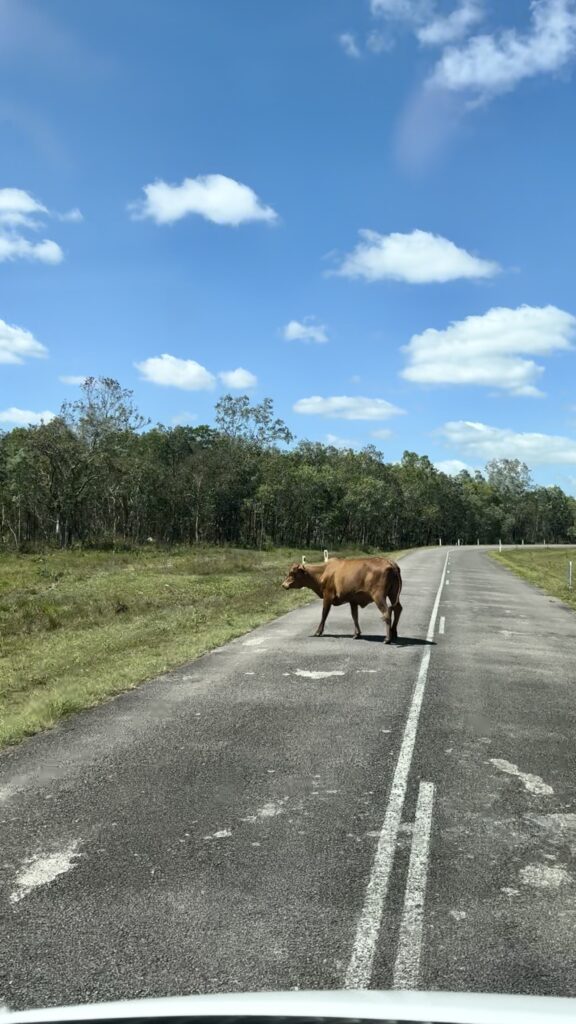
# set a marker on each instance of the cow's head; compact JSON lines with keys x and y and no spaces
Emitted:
{"x":296,"y":577}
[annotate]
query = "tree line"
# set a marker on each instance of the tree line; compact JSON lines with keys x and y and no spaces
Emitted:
{"x":99,"y":475}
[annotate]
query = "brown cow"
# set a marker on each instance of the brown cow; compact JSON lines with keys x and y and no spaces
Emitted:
{"x":354,"y":581}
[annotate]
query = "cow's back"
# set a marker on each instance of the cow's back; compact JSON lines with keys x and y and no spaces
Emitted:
{"x":348,"y":577}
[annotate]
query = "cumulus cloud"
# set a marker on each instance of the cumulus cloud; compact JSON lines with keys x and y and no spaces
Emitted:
{"x":20,"y":212}
{"x":453,"y":466}
{"x":169,"y":371}
{"x":443,"y":29}
{"x":71,"y":378}
{"x":349,"y":44}
{"x":431,"y":26}
{"x":489,"y":64}
{"x":306,"y":330}
{"x":18,"y":208}
{"x":411,"y":11}
{"x":215,"y":197}
{"x":418,"y":258}
{"x":347,"y":408}
{"x":24,"y":417}
{"x":490,"y":350}
{"x":72,"y":216}
{"x":478,"y":440}
{"x":238,"y":379}
{"x":17,"y":344}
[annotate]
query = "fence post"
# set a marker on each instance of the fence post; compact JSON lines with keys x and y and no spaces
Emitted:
{"x":500,"y":545}
{"x":440,"y":541}
{"x":569,"y":575}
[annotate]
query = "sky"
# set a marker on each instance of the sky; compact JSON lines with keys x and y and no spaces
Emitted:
{"x":364,"y":209}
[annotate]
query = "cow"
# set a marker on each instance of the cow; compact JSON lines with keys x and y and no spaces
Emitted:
{"x":354,"y":581}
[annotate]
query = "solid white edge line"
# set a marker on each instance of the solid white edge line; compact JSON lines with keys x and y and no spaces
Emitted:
{"x":360,"y":967}
{"x":407,"y":966}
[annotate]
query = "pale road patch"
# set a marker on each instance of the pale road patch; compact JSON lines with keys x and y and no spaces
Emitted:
{"x":255,"y":641}
{"x":407,"y":966}
{"x":42,"y":869}
{"x":359,"y":969}
{"x":541,"y":876}
{"x":533,"y":783}
{"x":316,"y":675}
{"x":269,"y":810}
{"x":223,"y":833}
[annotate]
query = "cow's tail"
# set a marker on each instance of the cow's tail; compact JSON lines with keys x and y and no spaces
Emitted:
{"x":395,"y":585}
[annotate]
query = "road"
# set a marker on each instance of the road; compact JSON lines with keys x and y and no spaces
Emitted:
{"x":291,"y":812}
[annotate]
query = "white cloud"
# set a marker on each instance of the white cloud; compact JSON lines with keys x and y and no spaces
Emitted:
{"x":349,"y":44}
{"x":448,"y":28}
{"x":183,"y":418}
{"x":19,"y":212}
{"x":381,"y":435}
{"x":453,"y":466}
{"x":18,"y":207}
{"x":14,"y":246}
{"x":238,"y":379}
{"x":340,"y":442}
{"x":305,"y":330}
{"x":169,"y":371}
{"x":16,"y":345}
{"x":378,"y":42}
{"x":412,"y":11}
{"x":418,"y":258}
{"x":71,"y":216}
{"x":24,"y":418}
{"x":489,"y":350}
{"x":71,"y":378}
{"x":477,"y":440}
{"x":490,"y":64}
{"x":346,"y":408}
{"x":215,"y":197}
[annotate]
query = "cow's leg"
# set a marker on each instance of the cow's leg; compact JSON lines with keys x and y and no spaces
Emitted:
{"x":397,"y":610}
{"x":386,"y":611}
{"x":354,"y":610}
{"x":326,"y":605}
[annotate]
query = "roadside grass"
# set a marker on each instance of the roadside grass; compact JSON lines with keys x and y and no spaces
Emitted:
{"x":77,"y":627}
{"x":545,"y":567}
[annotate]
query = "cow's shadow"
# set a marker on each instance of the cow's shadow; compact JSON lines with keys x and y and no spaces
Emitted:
{"x":374,"y":638}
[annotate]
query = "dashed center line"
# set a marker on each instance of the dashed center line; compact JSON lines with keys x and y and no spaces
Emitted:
{"x":442,"y":626}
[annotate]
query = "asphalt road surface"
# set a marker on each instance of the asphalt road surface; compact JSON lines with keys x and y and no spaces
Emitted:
{"x":299,"y":813}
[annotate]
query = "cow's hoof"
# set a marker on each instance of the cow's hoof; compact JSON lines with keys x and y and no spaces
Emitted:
{"x":388,"y":640}
{"x":317,"y":634}
{"x":357,"y":636}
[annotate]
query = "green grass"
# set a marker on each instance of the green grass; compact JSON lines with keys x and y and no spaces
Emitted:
{"x":77,"y":627}
{"x":544,"y":567}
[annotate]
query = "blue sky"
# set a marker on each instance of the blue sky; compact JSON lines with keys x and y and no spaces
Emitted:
{"x":365,"y":205}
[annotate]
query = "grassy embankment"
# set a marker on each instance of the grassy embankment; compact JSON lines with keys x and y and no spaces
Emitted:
{"x":545,"y":567}
{"x":77,"y":627}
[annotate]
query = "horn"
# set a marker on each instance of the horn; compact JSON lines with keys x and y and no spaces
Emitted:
{"x":303,"y":559}
{"x":325,"y":555}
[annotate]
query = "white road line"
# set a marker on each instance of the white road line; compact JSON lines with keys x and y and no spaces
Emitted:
{"x":407,"y":966}
{"x":360,"y":966}
{"x":442,"y":626}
